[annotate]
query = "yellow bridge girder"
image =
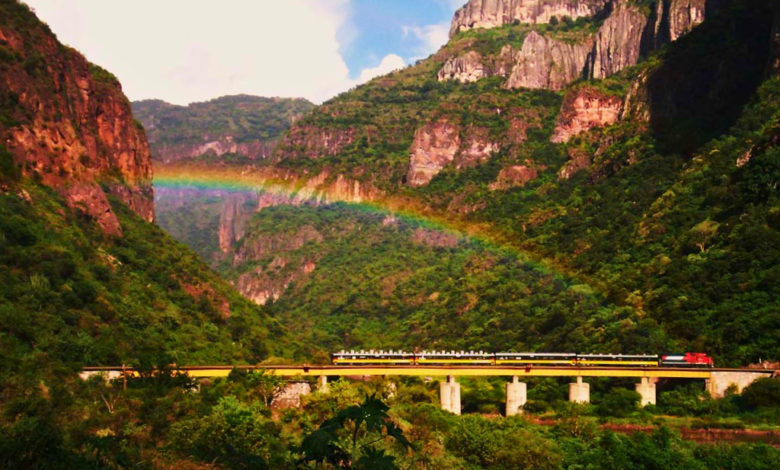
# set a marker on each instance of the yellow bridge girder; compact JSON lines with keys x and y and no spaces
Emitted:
{"x":437,"y":371}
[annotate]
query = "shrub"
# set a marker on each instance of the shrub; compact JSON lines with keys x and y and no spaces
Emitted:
{"x":763,"y":393}
{"x":9,"y":170}
{"x":618,"y":403}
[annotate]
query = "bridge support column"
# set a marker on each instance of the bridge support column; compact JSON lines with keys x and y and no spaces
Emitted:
{"x":646,"y":389}
{"x":516,"y":397}
{"x":449,"y":392}
{"x":720,"y":382}
{"x":579,"y":392}
{"x":323,"y":384}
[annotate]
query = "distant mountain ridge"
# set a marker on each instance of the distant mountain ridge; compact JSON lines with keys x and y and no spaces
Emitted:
{"x":243,"y":125}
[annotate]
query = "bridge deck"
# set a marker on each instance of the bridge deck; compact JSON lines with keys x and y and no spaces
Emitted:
{"x":440,"y":371}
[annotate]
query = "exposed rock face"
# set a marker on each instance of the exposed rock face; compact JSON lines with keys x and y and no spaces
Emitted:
{"x":684,"y":15}
{"x":495,"y":13}
{"x":74,"y":127}
{"x":269,"y":282}
{"x":514,"y":176}
{"x":477,"y":148}
{"x":583,"y":109}
{"x":579,"y":159}
{"x":237,"y":209}
{"x":543,"y":62}
{"x":466,"y":68}
{"x":315,"y":142}
{"x":440,"y":144}
{"x":435,"y":146}
{"x":435,"y":238}
{"x":547,"y":63}
{"x":618,"y":43}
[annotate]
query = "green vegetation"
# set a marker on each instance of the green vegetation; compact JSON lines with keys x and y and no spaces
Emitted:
{"x":9,"y":170}
{"x":156,"y":422}
{"x":242,"y":117}
{"x":101,"y":75}
{"x":380,"y":283}
{"x":662,"y":226}
{"x":76,"y":298}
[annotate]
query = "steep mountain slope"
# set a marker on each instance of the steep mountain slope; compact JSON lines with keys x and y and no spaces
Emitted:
{"x":67,"y":124}
{"x":633,"y":180}
{"x":243,"y":125}
{"x":654,"y":184}
{"x":85,"y":279}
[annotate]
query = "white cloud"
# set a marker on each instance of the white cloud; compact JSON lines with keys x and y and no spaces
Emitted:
{"x":431,"y":37}
{"x":389,"y":64}
{"x":193,"y":50}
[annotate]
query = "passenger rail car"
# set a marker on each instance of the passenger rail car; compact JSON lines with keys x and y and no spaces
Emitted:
{"x":482,"y":358}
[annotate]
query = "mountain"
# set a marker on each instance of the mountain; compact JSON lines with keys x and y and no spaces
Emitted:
{"x":628,"y":144}
{"x":243,"y":125}
{"x":85,"y":278}
{"x":67,"y":124}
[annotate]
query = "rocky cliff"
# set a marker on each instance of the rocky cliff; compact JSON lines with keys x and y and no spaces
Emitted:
{"x":68,"y":124}
{"x":555,"y":56}
{"x":247,"y":126}
{"x":583,"y":109}
{"x":547,"y":63}
{"x":496,"y":13}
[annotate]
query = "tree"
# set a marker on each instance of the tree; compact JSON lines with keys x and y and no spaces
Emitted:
{"x":618,"y":403}
{"x":348,"y":441}
{"x":763,"y":393}
{"x":703,"y":233}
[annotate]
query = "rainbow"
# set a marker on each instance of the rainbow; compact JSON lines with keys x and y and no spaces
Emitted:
{"x":326,"y":189}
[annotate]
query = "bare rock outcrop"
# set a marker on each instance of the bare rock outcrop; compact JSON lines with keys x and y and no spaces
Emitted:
{"x":466,"y":68}
{"x":72,"y":126}
{"x":495,"y":13}
{"x":583,"y":109}
{"x":435,"y":146}
{"x":546,"y":63}
{"x":579,"y":159}
{"x":315,"y":142}
{"x":619,"y":41}
{"x":268,"y":281}
{"x":514,"y":176}
{"x":684,"y":15}
{"x":237,"y":209}
{"x":477,"y":147}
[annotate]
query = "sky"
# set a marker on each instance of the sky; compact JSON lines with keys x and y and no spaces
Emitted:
{"x":184,"y":51}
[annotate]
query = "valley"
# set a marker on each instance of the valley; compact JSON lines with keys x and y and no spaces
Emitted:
{"x":574,"y":177}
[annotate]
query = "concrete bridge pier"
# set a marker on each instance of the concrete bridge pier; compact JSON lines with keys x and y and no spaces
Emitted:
{"x":516,"y":397}
{"x":449,"y":393}
{"x":323,"y":384}
{"x":579,"y":392}
{"x":646,"y":389}
{"x":721,"y":381}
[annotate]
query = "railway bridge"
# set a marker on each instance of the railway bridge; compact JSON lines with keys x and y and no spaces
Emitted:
{"x":717,"y":380}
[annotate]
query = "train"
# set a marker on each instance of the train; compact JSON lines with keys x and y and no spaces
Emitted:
{"x":482,"y":358}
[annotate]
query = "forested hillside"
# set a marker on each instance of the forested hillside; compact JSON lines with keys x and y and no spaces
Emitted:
{"x":650,"y":176}
{"x":243,"y":125}
{"x":85,"y":278}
